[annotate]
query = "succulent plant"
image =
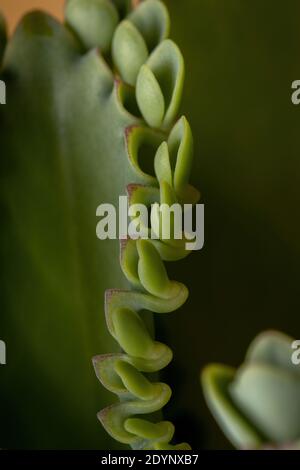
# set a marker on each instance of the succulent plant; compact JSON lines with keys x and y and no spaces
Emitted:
{"x":258,"y":405}
{"x":94,"y":104}
{"x":92,"y":113}
{"x":153,"y":66}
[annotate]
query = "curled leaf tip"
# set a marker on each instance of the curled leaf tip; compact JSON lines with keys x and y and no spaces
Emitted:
{"x":93,"y":21}
{"x":149,"y":97}
{"x":129,"y":51}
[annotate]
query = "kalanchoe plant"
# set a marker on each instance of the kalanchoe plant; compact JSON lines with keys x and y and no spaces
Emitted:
{"x":92,"y":112}
{"x":153,"y":66}
{"x":258,"y":405}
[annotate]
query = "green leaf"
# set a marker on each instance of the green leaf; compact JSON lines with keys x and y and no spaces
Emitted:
{"x":216,"y":379}
{"x":167,"y":64}
{"x":129,"y":51}
{"x":149,"y":97}
{"x":94,"y":22}
{"x":262,"y":396}
{"x":269,"y":397}
{"x":272,"y":348}
{"x":152,"y":272}
{"x":68,"y":122}
{"x":151,"y":18}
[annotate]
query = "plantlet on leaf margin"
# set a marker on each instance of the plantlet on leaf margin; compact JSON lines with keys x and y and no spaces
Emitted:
{"x":145,"y":59}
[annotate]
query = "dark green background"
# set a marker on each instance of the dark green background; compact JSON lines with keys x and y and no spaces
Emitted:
{"x":241,"y":58}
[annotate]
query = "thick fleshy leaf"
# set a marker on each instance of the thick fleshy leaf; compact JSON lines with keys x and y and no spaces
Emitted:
{"x":132,"y":333}
{"x":167,"y":65}
{"x":129,"y":51}
{"x":152,"y":272}
{"x":114,"y":418}
{"x":180,"y":144}
{"x":152,"y":20}
{"x":261,"y":396}
{"x":273,"y":348}
{"x":150,"y":97}
{"x":216,"y":379}
{"x":162,"y":164}
{"x":270,"y":398}
{"x":54,"y":174}
{"x":93,"y":21}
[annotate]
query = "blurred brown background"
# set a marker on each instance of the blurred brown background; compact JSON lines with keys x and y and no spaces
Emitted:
{"x":14,"y":9}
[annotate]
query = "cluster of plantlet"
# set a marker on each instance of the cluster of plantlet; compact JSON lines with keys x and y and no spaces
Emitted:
{"x":146,"y":60}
